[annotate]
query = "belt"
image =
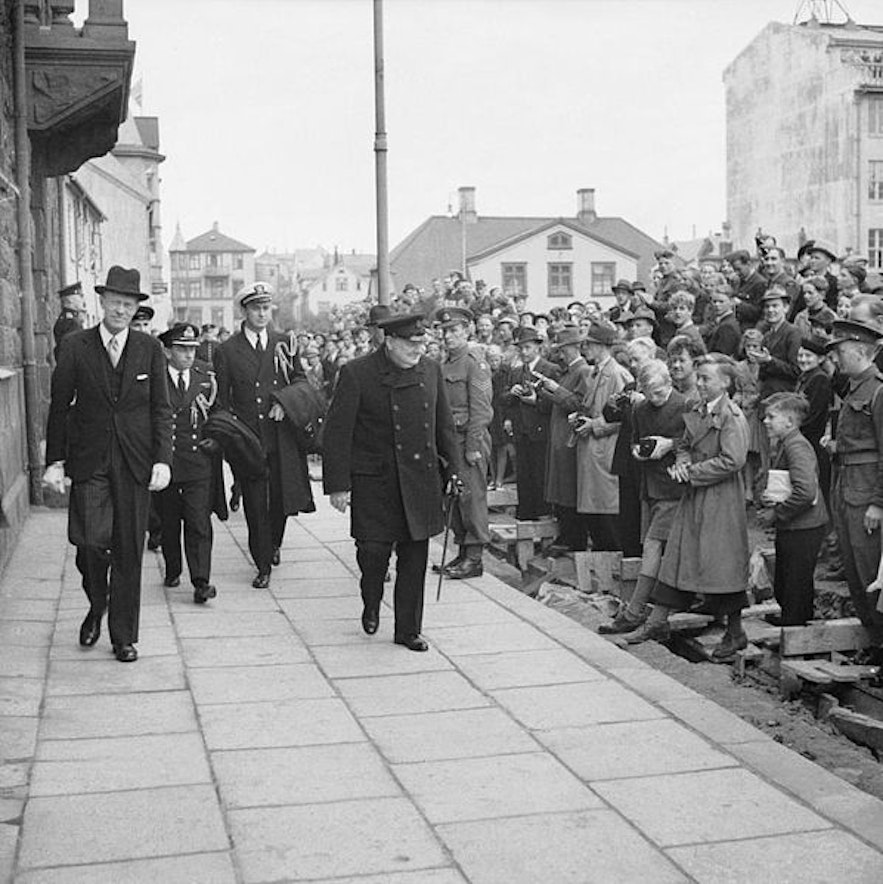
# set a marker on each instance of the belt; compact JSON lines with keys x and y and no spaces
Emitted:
{"x":854,"y":458}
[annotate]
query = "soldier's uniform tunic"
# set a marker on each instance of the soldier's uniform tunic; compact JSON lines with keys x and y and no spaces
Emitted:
{"x":470,"y":393}
{"x":67,"y":322}
{"x":858,"y":484}
{"x":187,"y":498}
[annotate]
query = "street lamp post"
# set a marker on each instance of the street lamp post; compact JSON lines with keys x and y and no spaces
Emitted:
{"x":380,"y":151}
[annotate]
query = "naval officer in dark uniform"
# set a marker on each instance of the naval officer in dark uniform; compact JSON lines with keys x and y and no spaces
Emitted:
{"x":187,"y":499}
{"x":389,"y":446}
{"x":470,"y":392}
{"x":250,"y":367}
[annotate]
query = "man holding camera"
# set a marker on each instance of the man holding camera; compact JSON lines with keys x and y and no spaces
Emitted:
{"x":528,"y":419}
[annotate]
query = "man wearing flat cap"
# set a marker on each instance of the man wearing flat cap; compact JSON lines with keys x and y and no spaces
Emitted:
{"x":857,"y":496}
{"x":188,"y":501}
{"x":251,"y":367}
{"x":390,"y":446}
{"x":470,"y":393}
{"x":73,"y":309}
{"x":110,"y":431}
{"x":820,"y":256}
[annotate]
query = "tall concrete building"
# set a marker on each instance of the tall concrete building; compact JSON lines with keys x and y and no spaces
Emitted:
{"x":804,"y":107}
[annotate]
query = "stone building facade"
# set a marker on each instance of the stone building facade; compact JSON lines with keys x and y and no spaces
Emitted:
{"x":804,"y":107}
{"x":71,"y":97}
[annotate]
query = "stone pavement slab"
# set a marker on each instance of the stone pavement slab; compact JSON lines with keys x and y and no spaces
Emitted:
{"x":332,"y":840}
{"x":264,"y":737}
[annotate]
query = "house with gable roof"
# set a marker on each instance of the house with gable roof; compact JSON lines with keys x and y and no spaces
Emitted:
{"x":553,"y":260}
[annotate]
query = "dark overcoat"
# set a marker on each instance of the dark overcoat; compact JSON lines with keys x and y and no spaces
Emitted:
{"x":84,"y":415}
{"x":390,"y":440}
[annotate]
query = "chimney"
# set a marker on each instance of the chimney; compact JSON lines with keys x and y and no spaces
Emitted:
{"x":585,"y":206}
{"x":215,"y":226}
{"x":467,"y":205}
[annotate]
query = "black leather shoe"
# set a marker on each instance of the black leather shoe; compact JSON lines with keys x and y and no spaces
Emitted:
{"x":90,"y":630}
{"x":370,"y":620}
{"x":262,"y":581}
{"x":466,"y":569}
{"x":619,"y":625}
{"x":125,"y":653}
{"x":436,"y":569}
{"x":412,"y":642}
{"x":277,"y":556}
{"x":172,"y":582}
{"x":203,"y":592}
{"x":234,"y":502}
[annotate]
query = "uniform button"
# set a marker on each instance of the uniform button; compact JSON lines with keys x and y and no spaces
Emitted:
{"x":425,"y":426}
{"x":258,"y":400}
{"x":425,"y":406}
{"x":260,"y":417}
{"x":398,"y":427}
{"x":416,"y":457}
{"x":398,"y":447}
{"x":257,"y":383}
{"x":429,"y":445}
{"x":395,"y":408}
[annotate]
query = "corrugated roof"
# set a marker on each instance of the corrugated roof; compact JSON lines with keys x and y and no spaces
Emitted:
{"x":435,"y":247}
{"x":215,"y":241}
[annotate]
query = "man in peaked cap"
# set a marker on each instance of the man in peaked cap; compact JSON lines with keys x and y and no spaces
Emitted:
{"x":250,"y":367}
{"x":187,"y":501}
{"x":73,"y":308}
{"x":142,"y":318}
{"x":110,"y":430}
{"x":389,"y":436}
{"x":857,"y":496}
{"x":468,"y":381}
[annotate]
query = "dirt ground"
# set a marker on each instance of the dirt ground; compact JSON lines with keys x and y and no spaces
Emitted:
{"x":755,"y":699}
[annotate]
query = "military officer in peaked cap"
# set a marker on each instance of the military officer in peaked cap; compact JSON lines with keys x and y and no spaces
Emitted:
{"x":72,"y":310}
{"x":142,"y":318}
{"x":250,"y":366}
{"x":468,"y":382}
{"x":857,"y":495}
{"x":187,"y":499}
{"x":389,"y":445}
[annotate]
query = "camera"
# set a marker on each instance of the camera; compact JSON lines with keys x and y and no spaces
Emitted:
{"x":646,"y":446}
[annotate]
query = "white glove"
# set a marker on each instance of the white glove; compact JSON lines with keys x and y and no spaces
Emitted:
{"x":160,"y":477}
{"x":55,"y":478}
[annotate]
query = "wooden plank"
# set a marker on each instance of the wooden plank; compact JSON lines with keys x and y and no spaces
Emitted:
{"x":840,"y":674}
{"x":806,"y":671}
{"x":630,"y":569}
{"x":501,"y":497}
{"x":598,"y":571}
{"x":523,"y":552}
{"x":536,"y":529}
{"x":824,"y":636}
{"x":685,"y":621}
{"x":859,"y":728}
{"x":751,"y":654}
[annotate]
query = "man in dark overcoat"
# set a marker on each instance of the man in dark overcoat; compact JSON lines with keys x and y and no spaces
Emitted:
{"x":250,"y":367}
{"x":389,"y":444}
{"x":110,"y":431}
{"x":72,"y":311}
{"x":529,"y":418}
{"x":188,"y":500}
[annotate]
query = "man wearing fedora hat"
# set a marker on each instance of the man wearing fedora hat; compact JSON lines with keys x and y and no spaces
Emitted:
{"x":566,"y":396}
{"x":110,"y":431}
{"x":188,"y":501}
{"x":250,"y":367}
{"x":529,"y":416}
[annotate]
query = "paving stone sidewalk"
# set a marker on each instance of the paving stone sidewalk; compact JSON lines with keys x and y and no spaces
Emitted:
{"x":264,"y":737}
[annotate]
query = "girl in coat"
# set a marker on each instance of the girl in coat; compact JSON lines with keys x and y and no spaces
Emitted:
{"x":707,"y":549}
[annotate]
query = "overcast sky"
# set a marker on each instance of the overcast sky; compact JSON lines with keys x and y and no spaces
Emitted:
{"x":266,"y":110}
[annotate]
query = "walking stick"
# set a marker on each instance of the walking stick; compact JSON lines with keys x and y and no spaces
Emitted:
{"x":448,"y":516}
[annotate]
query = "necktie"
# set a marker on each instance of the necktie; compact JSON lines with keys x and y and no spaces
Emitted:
{"x":182,"y":387}
{"x":259,"y":345}
{"x":113,"y":350}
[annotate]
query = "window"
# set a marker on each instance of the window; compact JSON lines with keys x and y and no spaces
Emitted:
{"x":560,"y":241}
{"x":875,"y":248}
{"x":341,"y":284}
{"x":603,"y":277}
{"x":514,"y":277}
{"x":212,"y":260}
{"x":218,"y":316}
{"x":194,"y":289}
{"x":237,"y":262}
{"x":875,"y":115}
{"x":194,"y":262}
{"x":875,"y":180}
{"x":560,"y":280}
{"x":181,"y":314}
{"x":219,"y":288}
{"x":194,"y":315}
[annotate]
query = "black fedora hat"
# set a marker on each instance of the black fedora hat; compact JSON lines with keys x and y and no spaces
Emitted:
{"x":123,"y":281}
